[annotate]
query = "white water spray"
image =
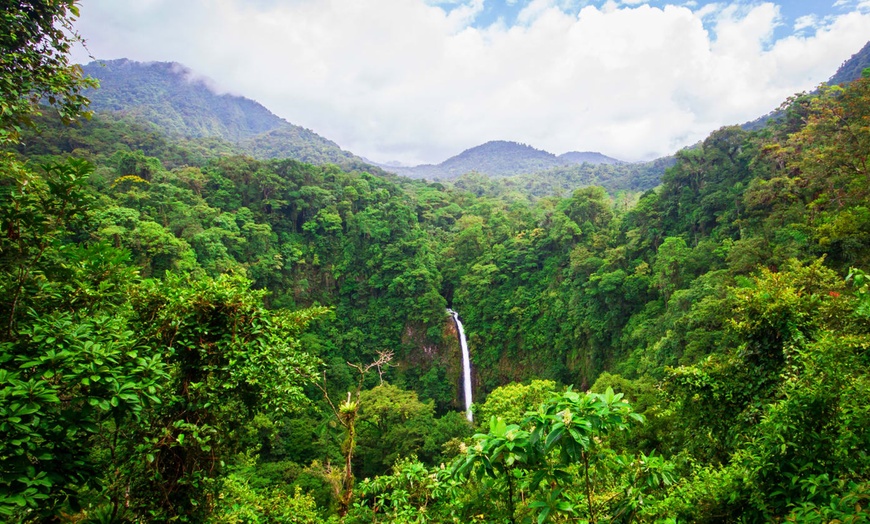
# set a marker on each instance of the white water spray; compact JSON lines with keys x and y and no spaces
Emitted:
{"x":466,"y":365}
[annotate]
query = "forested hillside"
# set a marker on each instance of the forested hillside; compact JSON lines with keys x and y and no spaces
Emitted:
{"x":194,"y":335}
{"x":853,"y":67}
{"x":178,"y":103}
{"x":850,"y":70}
{"x":170,"y":98}
{"x":543,"y":173}
{"x":173,"y":98}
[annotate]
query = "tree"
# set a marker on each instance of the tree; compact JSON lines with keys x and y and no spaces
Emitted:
{"x":393,"y":423}
{"x":669,"y":268}
{"x":38,"y":214}
{"x":511,"y":401}
{"x":34,"y":63}
{"x":231,"y":358}
{"x":347,"y":414}
{"x":73,"y":372}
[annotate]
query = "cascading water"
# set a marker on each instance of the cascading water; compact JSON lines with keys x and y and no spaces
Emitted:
{"x":466,"y":365}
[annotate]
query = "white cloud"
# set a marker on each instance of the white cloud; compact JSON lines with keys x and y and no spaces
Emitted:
{"x":806,"y":22}
{"x":708,"y":10}
{"x":853,"y":4}
{"x":408,"y":80}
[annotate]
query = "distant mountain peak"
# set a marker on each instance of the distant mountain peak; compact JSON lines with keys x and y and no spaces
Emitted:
{"x":588,"y":157}
{"x":501,"y":158}
{"x":507,"y":145}
{"x":850,"y":70}
{"x":512,"y":156}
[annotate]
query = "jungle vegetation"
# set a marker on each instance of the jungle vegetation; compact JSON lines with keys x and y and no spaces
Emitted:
{"x":192,"y":335}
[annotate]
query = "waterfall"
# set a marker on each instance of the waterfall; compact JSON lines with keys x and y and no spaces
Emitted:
{"x":466,"y":364}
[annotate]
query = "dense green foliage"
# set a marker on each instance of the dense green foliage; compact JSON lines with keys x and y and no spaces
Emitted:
{"x":34,"y":65}
{"x":190,"y":334}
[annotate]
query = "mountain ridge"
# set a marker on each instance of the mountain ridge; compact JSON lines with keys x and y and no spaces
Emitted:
{"x":849,"y":71}
{"x":853,"y":68}
{"x":500,"y":159}
{"x":174,"y":98}
{"x":180,"y":103}
{"x":139,"y":88}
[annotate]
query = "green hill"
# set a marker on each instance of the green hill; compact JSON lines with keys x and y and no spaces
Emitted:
{"x":501,"y":158}
{"x":174,"y":99}
{"x":849,"y":71}
{"x":853,"y":68}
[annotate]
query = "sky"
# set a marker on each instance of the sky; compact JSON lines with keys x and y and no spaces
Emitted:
{"x":418,"y":81}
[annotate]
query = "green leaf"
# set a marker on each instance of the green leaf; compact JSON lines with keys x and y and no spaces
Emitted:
{"x":554,"y":436}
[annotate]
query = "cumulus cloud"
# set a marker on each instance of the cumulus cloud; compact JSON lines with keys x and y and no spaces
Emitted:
{"x":417,"y":81}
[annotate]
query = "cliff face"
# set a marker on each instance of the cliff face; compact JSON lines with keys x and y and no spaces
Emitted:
{"x":435,"y":364}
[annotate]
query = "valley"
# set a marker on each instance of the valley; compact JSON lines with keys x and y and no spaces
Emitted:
{"x":213,"y":315}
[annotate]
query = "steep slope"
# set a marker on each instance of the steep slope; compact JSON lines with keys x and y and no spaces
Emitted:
{"x":849,"y":71}
{"x":852,"y":68}
{"x":170,"y":96}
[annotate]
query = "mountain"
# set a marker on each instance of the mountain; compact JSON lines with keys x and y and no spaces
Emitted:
{"x":499,"y":159}
{"x":587,"y":157}
{"x":176,"y":101}
{"x":171,"y":97}
{"x":849,"y":71}
{"x":549,"y":173}
{"x":853,"y":67}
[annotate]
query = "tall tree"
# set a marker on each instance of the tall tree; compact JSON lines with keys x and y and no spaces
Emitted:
{"x":35,"y":40}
